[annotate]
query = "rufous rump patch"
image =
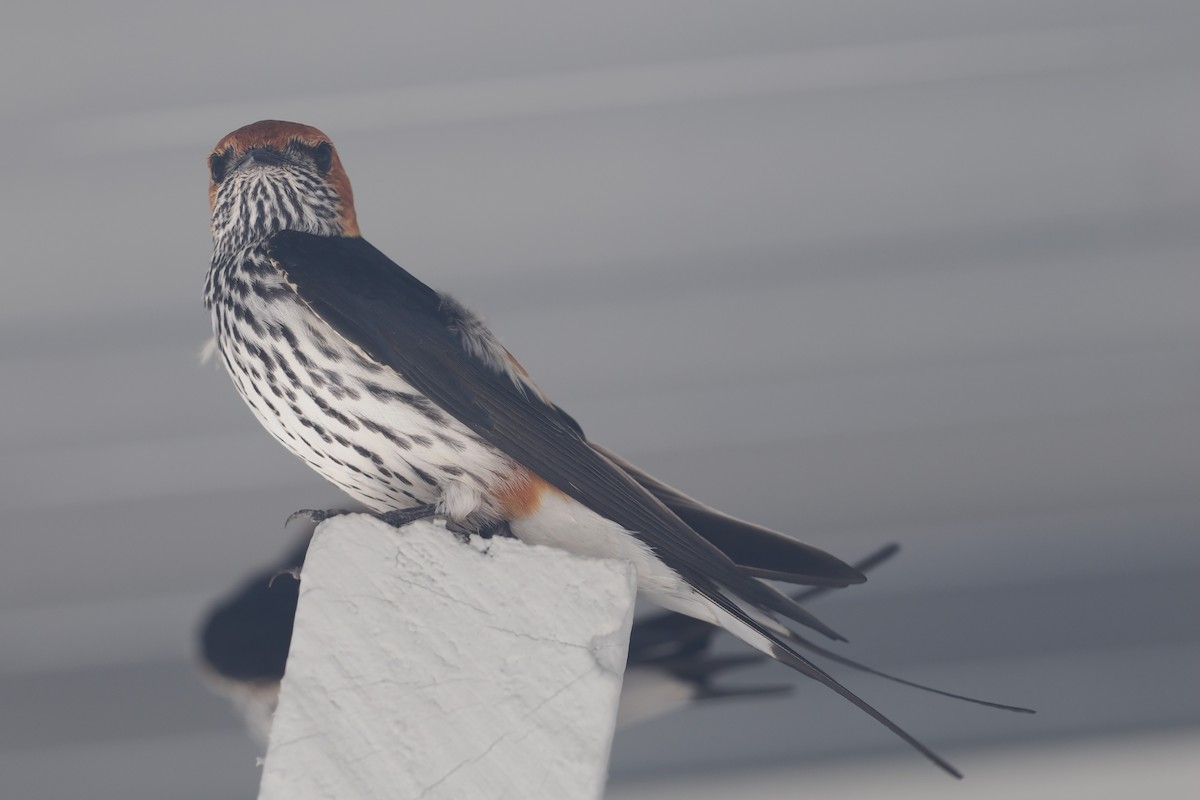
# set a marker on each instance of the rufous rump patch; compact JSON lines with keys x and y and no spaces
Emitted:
{"x":522,"y":495}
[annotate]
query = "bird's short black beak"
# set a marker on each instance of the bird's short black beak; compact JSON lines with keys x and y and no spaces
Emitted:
{"x":262,"y":157}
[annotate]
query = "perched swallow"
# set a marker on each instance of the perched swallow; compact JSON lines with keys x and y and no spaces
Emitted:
{"x":406,"y":400}
{"x":245,"y":637}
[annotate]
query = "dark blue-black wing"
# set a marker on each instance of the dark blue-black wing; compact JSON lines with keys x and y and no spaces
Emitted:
{"x":400,"y":322}
{"x":759,"y":551}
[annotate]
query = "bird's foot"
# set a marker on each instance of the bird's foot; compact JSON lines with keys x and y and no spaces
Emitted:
{"x":400,"y":517}
{"x":497,"y":528}
{"x":486,"y":529}
{"x":316,"y":515}
{"x":397,"y":518}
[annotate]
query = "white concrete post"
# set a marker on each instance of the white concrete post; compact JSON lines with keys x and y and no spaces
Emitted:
{"x":423,"y":667}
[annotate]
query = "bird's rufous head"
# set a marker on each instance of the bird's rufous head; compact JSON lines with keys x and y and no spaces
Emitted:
{"x":271,"y":176}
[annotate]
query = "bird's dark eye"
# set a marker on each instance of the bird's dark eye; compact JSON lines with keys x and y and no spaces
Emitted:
{"x":218,"y":165}
{"x":322,"y":155}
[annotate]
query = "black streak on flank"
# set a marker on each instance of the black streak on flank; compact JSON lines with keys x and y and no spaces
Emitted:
{"x":386,"y":433}
{"x":283,"y":366}
{"x":270,"y":291}
{"x":451,"y":442}
{"x":365,"y":363}
{"x":297,"y":351}
{"x":398,"y":476}
{"x":320,"y":431}
{"x":239,"y":287}
{"x":330,"y":411}
{"x":415,"y":401}
{"x":367,"y":454}
{"x":423,"y":475}
{"x":322,"y":345}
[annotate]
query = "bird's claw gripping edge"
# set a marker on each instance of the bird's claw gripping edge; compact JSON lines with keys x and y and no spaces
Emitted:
{"x":397,"y":518}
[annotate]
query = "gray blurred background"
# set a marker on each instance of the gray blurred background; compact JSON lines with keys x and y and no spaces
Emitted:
{"x":921,"y":271}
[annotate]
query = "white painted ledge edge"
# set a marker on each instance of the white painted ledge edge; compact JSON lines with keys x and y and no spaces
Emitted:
{"x":425,"y":667}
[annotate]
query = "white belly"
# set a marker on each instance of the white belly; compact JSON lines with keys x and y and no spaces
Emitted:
{"x":568,"y":525}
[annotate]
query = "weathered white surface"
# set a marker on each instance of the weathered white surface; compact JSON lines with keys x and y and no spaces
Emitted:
{"x":425,"y":667}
